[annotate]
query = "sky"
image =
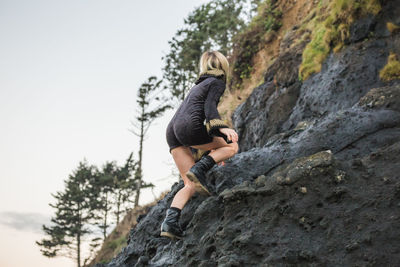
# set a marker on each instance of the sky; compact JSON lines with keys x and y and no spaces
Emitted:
{"x":69,"y":71}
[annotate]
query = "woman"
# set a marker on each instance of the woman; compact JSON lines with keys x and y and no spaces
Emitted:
{"x":186,"y":131}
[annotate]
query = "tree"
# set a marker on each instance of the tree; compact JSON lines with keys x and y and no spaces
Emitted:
{"x":114,"y":188}
{"x":151,"y":104}
{"x":104,"y":186}
{"x":73,"y":213}
{"x":210,"y":26}
{"x":124,"y":186}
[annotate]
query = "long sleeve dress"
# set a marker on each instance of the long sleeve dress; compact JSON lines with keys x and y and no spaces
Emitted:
{"x":197,"y":119}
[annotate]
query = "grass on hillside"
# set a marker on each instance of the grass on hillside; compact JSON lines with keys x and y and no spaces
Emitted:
{"x":248,"y":42}
{"x":330,"y":28}
{"x":391,"y":71}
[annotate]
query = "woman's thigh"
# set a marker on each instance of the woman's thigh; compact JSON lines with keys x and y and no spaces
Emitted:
{"x":189,"y":133}
{"x":184,"y":161}
{"x":216,"y":143}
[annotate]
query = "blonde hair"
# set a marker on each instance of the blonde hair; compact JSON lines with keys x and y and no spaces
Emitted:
{"x":213,"y":62}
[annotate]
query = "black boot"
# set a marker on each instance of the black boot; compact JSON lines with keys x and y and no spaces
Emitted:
{"x":197,"y":174}
{"x":170,"y":226}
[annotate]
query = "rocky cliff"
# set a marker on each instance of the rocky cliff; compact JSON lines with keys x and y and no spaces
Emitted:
{"x":317,"y":179}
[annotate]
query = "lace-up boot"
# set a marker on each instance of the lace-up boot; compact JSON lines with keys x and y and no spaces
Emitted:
{"x":170,"y":226}
{"x":197,"y":174}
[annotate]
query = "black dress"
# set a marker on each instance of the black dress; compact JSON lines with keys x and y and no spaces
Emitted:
{"x":187,"y":126}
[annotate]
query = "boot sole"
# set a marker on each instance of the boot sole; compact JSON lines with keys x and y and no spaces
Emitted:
{"x":168,"y":234}
{"x":197,"y":183}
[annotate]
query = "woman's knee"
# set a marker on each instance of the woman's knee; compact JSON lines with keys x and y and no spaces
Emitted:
{"x":234,"y":149}
{"x":190,"y":186}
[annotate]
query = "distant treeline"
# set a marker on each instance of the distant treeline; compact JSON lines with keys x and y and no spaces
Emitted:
{"x":93,"y":199}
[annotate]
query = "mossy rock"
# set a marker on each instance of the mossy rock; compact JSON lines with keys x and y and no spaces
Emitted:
{"x":391,"y":71}
{"x":330,"y":28}
{"x":392,"y":27}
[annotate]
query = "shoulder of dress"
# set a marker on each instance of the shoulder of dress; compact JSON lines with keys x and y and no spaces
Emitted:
{"x":217,"y":82}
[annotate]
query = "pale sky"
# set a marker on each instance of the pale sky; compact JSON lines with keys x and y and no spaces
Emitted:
{"x":69,"y":71}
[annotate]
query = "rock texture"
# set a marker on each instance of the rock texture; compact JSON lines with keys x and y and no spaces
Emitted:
{"x":345,"y":77}
{"x":317,"y":179}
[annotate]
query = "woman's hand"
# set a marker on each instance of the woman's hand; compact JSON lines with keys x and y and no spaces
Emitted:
{"x":230,"y":134}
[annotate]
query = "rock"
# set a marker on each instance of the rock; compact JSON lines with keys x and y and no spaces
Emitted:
{"x":302,"y":125}
{"x":386,"y":97}
{"x":316,"y":181}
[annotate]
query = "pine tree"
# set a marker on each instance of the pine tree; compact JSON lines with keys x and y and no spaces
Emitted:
{"x":104,"y":187}
{"x":151,"y":105}
{"x":124,"y":187}
{"x":72,"y":216}
{"x":210,"y":26}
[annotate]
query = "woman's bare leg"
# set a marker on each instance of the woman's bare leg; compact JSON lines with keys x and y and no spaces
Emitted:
{"x":184,"y":161}
{"x":221,"y":149}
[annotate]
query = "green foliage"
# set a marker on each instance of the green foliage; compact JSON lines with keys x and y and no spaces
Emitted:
{"x":73,"y":213}
{"x":391,"y":71}
{"x":117,"y":244}
{"x":314,"y":54}
{"x":104,"y":188}
{"x":247,"y":43}
{"x":331,"y":30}
{"x":114,"y":189}
{"x":89,"y":199}
{"x":124,"y":186}
{"x":151,"y":102}
{"x":211,"y":26}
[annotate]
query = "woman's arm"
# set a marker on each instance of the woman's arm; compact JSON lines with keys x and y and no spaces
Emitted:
{"x":213,"y":119}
